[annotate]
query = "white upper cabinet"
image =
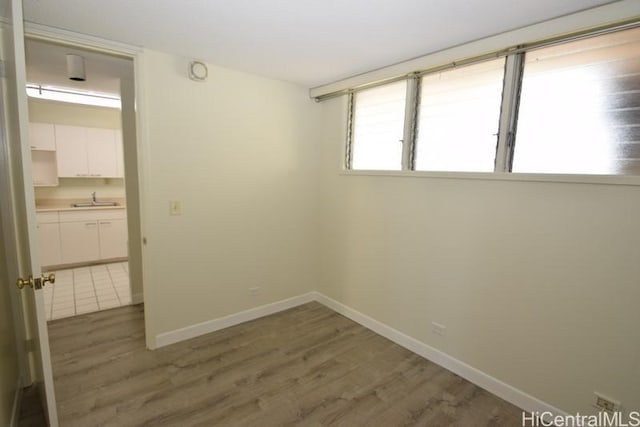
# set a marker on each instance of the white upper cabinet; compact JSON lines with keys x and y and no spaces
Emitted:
{"x":87,"y":152}
{"x":71,"y":144}
{"x":42,"y":140}
{"x":102,"y":152}
{"x":42,"y":136}
{"x":43,"y":168}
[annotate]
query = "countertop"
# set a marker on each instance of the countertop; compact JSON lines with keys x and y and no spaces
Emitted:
{"x":56,"y":205}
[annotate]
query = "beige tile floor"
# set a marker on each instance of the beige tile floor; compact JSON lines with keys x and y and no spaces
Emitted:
{"x":87,"y":289}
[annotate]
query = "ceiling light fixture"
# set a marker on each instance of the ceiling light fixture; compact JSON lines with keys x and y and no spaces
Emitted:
{"x":75,"y":68}
{"x":73,"y":96}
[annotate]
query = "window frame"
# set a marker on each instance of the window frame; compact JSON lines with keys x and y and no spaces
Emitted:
{"x":508,"y":118}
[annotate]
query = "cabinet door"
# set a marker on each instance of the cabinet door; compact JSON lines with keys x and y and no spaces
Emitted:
{"x":42,"y":136}
{"x":113,"y":238}
{"x":43,"y":168}
{"x":71,"y":143}
{"x":101,"y":152}
{"x":49,"y":244}
{"x":79,"y":241}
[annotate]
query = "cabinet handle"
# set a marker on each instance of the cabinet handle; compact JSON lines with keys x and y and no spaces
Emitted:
{"x":105,"y":223}
{"x":92,"y":224}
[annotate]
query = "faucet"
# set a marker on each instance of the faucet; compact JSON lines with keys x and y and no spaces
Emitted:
{"x":93,"y":197}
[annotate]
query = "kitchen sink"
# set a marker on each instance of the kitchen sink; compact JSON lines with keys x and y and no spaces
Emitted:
{"x":94,"y":204}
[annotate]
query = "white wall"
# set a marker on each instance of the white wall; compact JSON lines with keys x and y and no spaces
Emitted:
{"x":537,"y":283}
{"x":81,"y":188}
{"x":239,"y":153}
{"x":65,"y":113}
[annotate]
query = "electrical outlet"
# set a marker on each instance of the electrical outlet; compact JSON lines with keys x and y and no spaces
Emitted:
{"x":605,"y":403}
{"x":175,"y":208}
{"x":438,"y":329}
{"x":255,"y":290}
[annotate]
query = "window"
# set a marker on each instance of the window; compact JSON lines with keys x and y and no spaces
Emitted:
{"x":580,"y":107}
{"x":458,"y":118}
{"x":378,"y":127}
{"x":568,"y":107}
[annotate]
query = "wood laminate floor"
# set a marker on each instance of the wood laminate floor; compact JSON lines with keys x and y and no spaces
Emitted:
{"x":306,"y":366}
{"x":31,"y":414}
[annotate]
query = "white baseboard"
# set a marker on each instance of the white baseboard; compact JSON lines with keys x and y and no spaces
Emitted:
{"x":17,"y":400}
{"x":493,"y":385}
{"x":230,"y":320}
{"x":137,"y":298}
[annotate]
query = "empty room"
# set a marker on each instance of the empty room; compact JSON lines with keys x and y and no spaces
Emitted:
{"x":280,"y":212}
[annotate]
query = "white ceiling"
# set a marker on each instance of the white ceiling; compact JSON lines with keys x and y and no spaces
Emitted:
{"x":308,"y":42}
{"x":47,"y":66}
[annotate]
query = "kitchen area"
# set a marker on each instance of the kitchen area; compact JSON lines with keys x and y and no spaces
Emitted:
{"x":81,"y":215}
{"x":79,"y":186}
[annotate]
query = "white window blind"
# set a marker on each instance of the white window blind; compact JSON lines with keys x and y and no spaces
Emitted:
{"x":458,"y":118}
{"x":378,"y":127}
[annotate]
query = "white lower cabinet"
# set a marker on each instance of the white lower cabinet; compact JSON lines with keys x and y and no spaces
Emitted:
{"x":49,"y":238}
{"x":113,"y":238}
{"x":82,"y":236}
{"x":79,"y":241}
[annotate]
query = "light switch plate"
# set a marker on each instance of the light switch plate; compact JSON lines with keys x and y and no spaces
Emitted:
{"x":175,"y":208}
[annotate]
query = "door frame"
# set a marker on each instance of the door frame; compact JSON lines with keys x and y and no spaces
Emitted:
{"x":135,"y":162}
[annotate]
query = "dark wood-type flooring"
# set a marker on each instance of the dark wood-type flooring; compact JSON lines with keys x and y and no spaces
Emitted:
{"x":306,"y":366}
{"x":31,"y":414}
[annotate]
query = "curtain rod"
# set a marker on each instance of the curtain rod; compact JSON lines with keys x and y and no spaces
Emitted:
{"x":41,"y":88}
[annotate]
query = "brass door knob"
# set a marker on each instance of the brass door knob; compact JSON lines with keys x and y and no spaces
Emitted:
{"x":38,"y":282}
{"x":21,"y":283}
{"x":51,"y":278}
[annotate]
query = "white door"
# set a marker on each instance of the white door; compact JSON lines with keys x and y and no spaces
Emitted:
{"x":23,"y":218}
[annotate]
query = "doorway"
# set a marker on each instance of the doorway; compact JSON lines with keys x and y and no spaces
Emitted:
{"x":18,"y":213}
{"x":81,"y":184}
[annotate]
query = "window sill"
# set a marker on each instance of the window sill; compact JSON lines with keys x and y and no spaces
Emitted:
{"x":503,"y":176}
